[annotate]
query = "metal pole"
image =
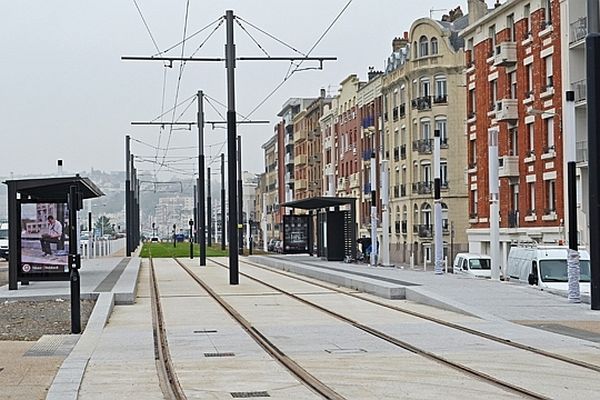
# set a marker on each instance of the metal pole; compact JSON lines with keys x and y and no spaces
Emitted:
{"x":231,"y":150}
{"x":494,"y":203}
{"x":201,"y":223}
{"x":385,"y":215}
{"x":437,"y":206}
{"x":128,"y":225}
{"x":240,"y":197}
{"x":74,"y":262}
{"x":593,"y":13}
{"x":209,"y":210}
{"x":373,"y":260}
{"x":195,"y":215}
{"x":264,"y":222}
{"x":223,"y":230}
{"x":191,"y":239}
{"x":593,"y":103}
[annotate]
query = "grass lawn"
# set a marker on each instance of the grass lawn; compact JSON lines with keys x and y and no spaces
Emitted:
{"x":166,"y":250}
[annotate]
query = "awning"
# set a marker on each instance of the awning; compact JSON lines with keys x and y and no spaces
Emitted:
{"x":53,"y":190}
{"x":316,"y":203}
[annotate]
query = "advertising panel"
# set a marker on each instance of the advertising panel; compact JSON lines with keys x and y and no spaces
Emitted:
{"x":44,"y":241}
{"x":295,"y":233}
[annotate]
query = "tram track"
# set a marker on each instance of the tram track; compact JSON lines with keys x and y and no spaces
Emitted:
{"x":167,"y":377}
{"x":471,"y":372}
{"x":452,"y":325}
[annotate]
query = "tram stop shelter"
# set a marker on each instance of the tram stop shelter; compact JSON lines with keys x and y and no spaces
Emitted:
{"x":334,"y":232}
{"x":38,"y":224}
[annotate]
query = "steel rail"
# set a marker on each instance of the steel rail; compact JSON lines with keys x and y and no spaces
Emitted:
{"x":481,"y":376}
{"x":507,"y":342}
{"x":304,"y":376}
{"x":167,"y":377}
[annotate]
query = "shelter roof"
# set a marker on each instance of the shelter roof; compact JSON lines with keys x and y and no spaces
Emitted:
{"x":54,"y":189}
{"x":315,"y":203}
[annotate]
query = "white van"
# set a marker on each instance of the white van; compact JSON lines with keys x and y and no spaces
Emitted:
{"x":546,"y":267}
{"x":472,"y":264}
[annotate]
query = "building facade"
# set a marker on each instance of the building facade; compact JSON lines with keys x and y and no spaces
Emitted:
{"x":270,"y":187}
{"x":514,"y":88}
{"x":423,"y":93}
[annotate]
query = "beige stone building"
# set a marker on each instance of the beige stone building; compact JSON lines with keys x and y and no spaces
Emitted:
{"x":269,"y":192}
{"x":423,"y":89}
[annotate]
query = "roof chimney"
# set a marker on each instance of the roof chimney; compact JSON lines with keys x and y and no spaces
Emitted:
{"x":59,"y":164}
{"x":477,"y":9}
{"x":399,"y":43}
{"x":323,"y":93}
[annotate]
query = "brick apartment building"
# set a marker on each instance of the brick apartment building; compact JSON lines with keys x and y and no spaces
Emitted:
{"x":514,"y":86}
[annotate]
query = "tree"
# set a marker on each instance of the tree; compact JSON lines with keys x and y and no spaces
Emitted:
{"x":103,"y":225}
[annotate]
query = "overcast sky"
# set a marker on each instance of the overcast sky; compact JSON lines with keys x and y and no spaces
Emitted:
{"x":66,"y":94}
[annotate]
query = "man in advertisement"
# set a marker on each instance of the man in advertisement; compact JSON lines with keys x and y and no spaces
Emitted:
{"x":54,"y":235}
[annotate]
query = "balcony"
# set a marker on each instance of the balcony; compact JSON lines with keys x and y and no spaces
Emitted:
{"x":422,"y":103}
{"x":578,"y":30}
{"x":580,"y":89}
{"x":444,"y":143}
{"x":301,"y":184}
{"x":513,"y":218}
{"x":423,"y":146}
{"x":440,"y":99}
{"x":506,"y":54}
{"x":403,"y":152}
{"x":314,"y":159}
{"x":422,"y":187}
{"x":341,"y":184}
{"x":508,"y":166}
{"x":423,"y":230}
{"x":301,"y":159}
{"x":506,"y":110}
{"x":300,"y":136}
{"x":355,"y":181}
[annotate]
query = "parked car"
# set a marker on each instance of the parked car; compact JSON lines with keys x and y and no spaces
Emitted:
{"x":154,"y":239}
{"x":472,"y":264}
{"x":278,"y":248}
{"x":271,"y":245}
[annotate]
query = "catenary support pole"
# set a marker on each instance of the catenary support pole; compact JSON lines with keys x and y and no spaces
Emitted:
{"x":385,"y":213}
{"x":240,"y":197}
{"x":193,"y":237}
{"x":437,"y":206}
{"x":201,"y":178}
{"x":209,"y":210}
{"x":74,"y":261}
{"x":593,"y":104}
{"x":573,"y":271}
{"x":494,"y":203}
{"x":264,"y":222}
{"x":128,"y":225}
{"x":231,"y":150}
{"x":223,"y":214}
{"x":373,"y":179}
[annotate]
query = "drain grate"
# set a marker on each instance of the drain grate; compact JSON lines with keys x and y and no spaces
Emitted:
{"x":206,"y":331}
{"x":219,"y":354}
{"x":249,"y":395}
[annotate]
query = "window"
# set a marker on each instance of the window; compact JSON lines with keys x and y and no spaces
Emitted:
{"x":549,"y":130}
{"x":441,"y":124}
{"x":441,"y":88}
{"x":434,"y":46}
{"x":514,"y":142}
{"x":472,"y":103}
{"x":510,"y":24}
{"x":425,"y":129}
{"x":548,"y":12}
{"x":474,"y":204}
{"x":444,"y":174}
{"x":426,"y":173}
{"x":550,"y":196}
{"x":527,"y":18}
{"x":493,"y":94}
{"x":492,"y":37}
{"x":531,"y":191}
{"x":530,"y":139}
{"x":529,"y":81}
{"x":416,"y":51}
{"x":425,"y":87}
{"x":549,"y":80}
{"x":472,"y":154}
{"x":423,"y":47}
{"x":402,"y":95}
{"x":513,"y":84}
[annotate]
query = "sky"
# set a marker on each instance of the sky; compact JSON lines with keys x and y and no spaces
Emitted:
{"x":66,"y":94}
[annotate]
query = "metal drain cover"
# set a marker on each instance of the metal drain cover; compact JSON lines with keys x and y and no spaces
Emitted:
{"x":219,"y":354}
{"x":249,"y":395}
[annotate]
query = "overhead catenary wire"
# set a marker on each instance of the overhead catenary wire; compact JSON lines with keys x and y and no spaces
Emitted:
{"x":289,"y":74}
{"x":160,"y":52}
{"x":252,"y":38}
{"x":271,"y":36}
